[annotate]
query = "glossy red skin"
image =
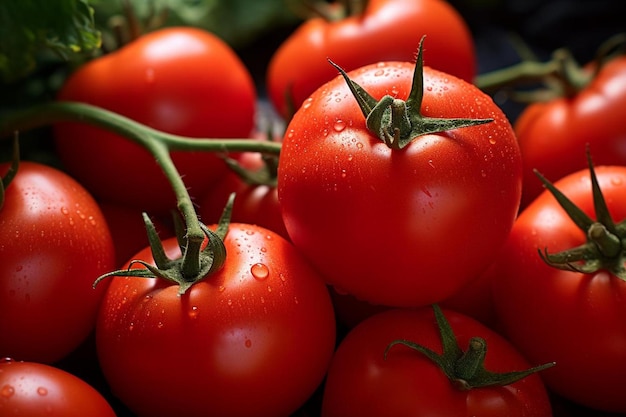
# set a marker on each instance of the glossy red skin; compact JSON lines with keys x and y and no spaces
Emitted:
{"x":230,"y":337}
{"x":254,"y":204}
{"x":54,"y":243}
{"x":553,"y":135}
{"x":31,"y":389}
{"x":361,"y":382}
{"x":574,"y":319}
{"x":407,"y":227}
{"x":179,"y":80}
{"x":388,"y":30}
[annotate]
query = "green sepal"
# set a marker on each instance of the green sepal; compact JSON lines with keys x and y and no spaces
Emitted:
{"x":464,"y":369}
{"x":397,"y":122}
{"x":604,"y":248}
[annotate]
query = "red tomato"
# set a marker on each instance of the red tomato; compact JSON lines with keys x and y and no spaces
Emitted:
{"x":256,"y":338}
{"x":387,"y":30}
{"x":401,"y":227}
{"x":573,"y":318}
{"x":553,"y":135}
{"x":361,"y":382}
{"x":179,"y":80}
{"x":32,"y":389}
{"x":54,"y":242}
{"x":254,"y":203}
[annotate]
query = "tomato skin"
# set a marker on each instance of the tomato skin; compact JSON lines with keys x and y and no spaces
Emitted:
{"x":380,"y":223}
{"x":388,"y":30}
{"x":361,"y":382}
{"x":194,"y":355}
{"x":33,"y":389}
{"x":54,"y":243}
{"x":587,"y":309}
{"x":183,"y":81}
{"x":553,"y":135}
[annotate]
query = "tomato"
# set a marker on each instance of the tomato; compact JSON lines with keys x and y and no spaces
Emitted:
{"x":387,"y":30}
{"x":183,"y":81}
{"x":363,"y":381}
{"x":54,"y":242}
{"x":553,"y":134}
{"x":33,"y":389}
{"x":401,"y":227}
{"x":254,"y":203}
{"x":573,"y":318}
{"x":255,"y":338}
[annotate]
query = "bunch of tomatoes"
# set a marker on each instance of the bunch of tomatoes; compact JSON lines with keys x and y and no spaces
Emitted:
{"x":399,"y":249}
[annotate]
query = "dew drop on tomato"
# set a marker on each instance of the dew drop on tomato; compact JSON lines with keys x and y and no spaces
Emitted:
{"x":260,"y":271}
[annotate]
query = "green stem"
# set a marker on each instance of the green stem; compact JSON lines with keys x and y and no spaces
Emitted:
{"x":158,"y":143}
{"x":562,"y":75}
{"x":55,"y":112}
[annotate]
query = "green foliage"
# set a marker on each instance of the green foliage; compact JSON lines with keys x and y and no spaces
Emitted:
{"x":30,"y":27}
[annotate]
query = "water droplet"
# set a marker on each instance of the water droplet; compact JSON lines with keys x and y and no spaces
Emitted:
{"x":259,"y":271}
{"x":160,"y":325}
{"x":64,"y":210}
{"x":7,"y":359}
{"x":339,"y":125}
{"x":131,"y":326}
{"x":483,"y":173}
{"x":221,"y":288}
{"x":264,"y":249}
{"x":229,"y":302}
{"x":307,"y":103}
{"x":262,"y":299}
{"x":379,"y":72}
{"x":359,"y":145}
{"x":193,"y":313}
{"x":290,"y":134}
{"x":343,"y":173}
{"x":616,"y":181}
{"x":7,"y":391}
{"x":426,"y":191}
{"x":492,"y":140}
{"x":248,"y":343}
{"x":42,"y":391}
{"x":295,"y":300}
{"x":269,"y":289}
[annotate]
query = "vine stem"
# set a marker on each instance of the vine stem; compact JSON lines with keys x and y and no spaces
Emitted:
{"x":158,"y":143}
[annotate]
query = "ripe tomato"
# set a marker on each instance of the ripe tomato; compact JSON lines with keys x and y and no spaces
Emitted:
{"x":573,"y":318}
{"x":255,"y":203}
{"x":387,"y":30}
{"x":362,"y":382}
{"x":553,"y":134}
{"x":255,"y":338}
{"x":179,"y":80}
{"x":34,"y":389}
{"x":401,"y":227}
{"x":54,"y":242}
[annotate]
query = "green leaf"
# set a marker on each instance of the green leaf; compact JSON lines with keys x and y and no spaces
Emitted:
{"x":30,"y":27}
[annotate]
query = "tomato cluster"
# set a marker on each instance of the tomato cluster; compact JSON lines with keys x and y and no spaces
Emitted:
{"x":399,"y":251}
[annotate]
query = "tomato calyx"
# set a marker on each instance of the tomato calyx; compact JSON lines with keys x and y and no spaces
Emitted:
{"x":192,"y":266}
{"x":398,"y":122}
{"x":561,"y":76}
{"x":464,"y":369}
{"x":605,"y":248}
